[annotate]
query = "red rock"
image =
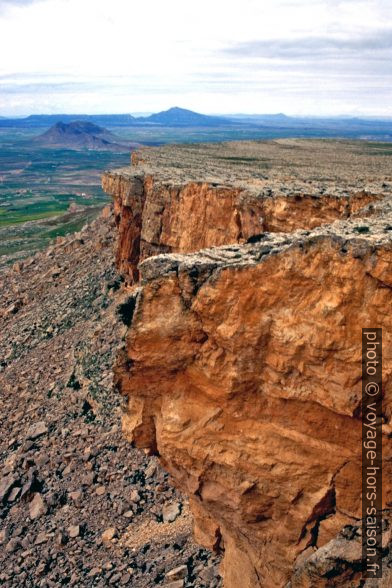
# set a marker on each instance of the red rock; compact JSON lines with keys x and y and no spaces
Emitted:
{"x":242,"y":364}
{"x":155,"y":215}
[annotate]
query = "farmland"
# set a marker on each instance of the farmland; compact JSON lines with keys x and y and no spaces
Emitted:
{"x":45,"y":193}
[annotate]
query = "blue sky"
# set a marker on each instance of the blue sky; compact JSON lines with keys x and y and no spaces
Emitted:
{"x":322,"y":57}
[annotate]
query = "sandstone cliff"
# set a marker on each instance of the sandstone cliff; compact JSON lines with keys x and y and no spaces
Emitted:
{"x":171,"y":202}
{"x":242,"y":361}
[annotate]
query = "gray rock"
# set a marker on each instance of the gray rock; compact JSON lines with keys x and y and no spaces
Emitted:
{"x":61,"y":538}
{"x":37,"y":430}
{"x":26,"y":542}
{"x":14,"y":494}
{"x":150,"y":470}
{"x":88,"y":479}
{"x":26,"y":487}
{"x":208,"y":574}
{"x":18,"y":531}
{"x":12,"y":545}
{"x":178,"y":573}
{"x":4,"y":533}
{"x":170,"y":512}
{"x":6,"y":485}
{"x":41,"y":538}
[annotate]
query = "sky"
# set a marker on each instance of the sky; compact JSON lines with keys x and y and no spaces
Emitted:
{"x":300,"y":57}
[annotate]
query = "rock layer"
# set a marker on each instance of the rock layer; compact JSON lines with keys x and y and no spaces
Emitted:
{"x":163,"y":209}
{"x":242,"y":370}
{"x":153,"y":218}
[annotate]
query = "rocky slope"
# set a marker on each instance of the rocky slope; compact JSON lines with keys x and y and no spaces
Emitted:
{"x":242,"y":362}
{"x":78,"y":505}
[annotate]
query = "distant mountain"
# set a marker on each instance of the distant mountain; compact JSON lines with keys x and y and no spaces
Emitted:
{"x":232,"y":126}
{"x":45,"y":120}
{"x":180,"y":117}
{"x":81,"y":135}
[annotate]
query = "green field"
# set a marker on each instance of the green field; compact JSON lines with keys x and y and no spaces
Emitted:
{"x":38,"y":186}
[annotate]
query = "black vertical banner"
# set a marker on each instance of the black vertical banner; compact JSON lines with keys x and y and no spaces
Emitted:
{"x":372,"y":452}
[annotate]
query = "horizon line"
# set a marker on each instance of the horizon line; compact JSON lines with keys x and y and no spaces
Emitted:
{"x":212,"y":114}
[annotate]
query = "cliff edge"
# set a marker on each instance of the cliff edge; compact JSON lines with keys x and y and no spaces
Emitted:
{"x":252,"y":269}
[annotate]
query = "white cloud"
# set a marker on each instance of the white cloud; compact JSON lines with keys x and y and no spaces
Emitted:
{"x":297,"y":56}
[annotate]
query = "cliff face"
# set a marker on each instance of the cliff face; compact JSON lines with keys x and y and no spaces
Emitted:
{"x":155,"y":217}
{"x":244,"y":377}
{"x":242,"y":364}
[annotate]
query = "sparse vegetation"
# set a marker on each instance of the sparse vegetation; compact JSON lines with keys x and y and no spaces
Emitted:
{"x":362,"y":229}
{"x":126,"y":310}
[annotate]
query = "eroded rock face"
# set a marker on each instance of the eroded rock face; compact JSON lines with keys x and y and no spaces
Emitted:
{"x":242,"y":365}
{"x":153,"y":217}
{"x":182,"y":199}
{"x":244,"y":376}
